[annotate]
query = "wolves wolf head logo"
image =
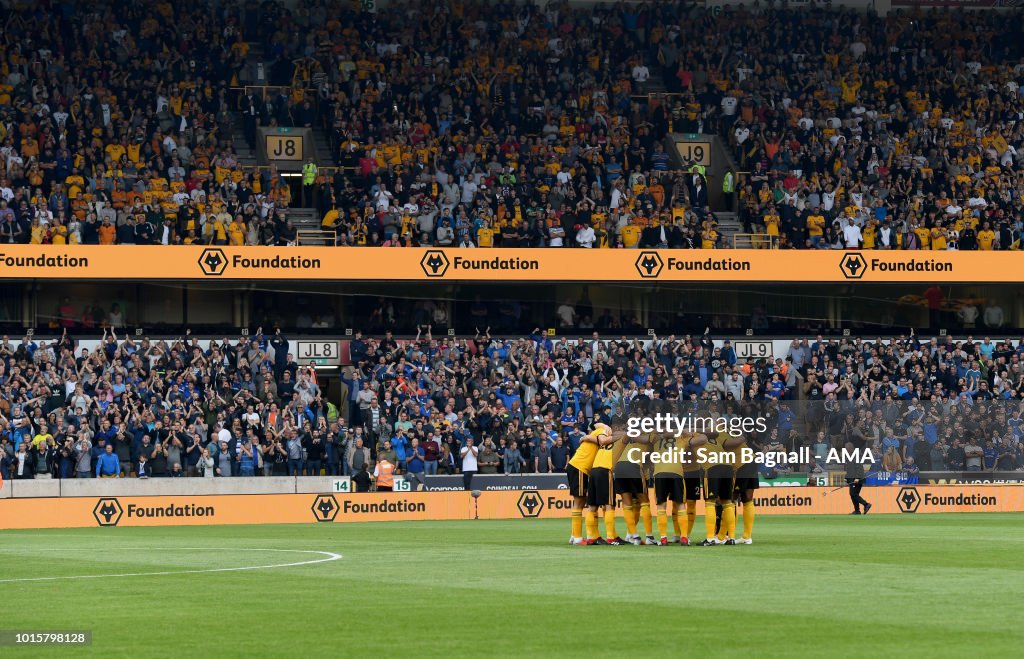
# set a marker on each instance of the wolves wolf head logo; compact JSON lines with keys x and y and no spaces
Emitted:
{"x":853,"y":266}
{"x":325,"y":508}
{"x":649,"y":264}
{"x":530,"y":503}
{"x":107,"y":512}
{"x":213,"y":262}
{"x":434,"y":263}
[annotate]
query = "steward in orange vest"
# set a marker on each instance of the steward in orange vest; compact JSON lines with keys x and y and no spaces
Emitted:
{"x":385,"y":473}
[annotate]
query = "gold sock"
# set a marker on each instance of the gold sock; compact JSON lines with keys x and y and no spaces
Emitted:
{"x":748,"y":520}
{"x":680,"y":521}
{"x":691,"y":516}
{"x":629,"y":514}
{"x":728,"y":520}
{"x":609,"y":523}
{"x":709,"y":519}
{"x":662,"y":523}
{"x":592,"y":531}
{"x":577,"y":523}
{"x":645,"y":515}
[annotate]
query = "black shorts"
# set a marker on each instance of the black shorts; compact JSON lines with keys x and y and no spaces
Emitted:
{"x":719,"y":485}
{"x":602,"y":489}
{"x":692,"y":485}
{"x":578,"y":481}
{"x":744,"y":483}
{"x":627,"y":469}
{"x":747,"y":471}
{"x":669,"y":486}
{"x":634,"y":486}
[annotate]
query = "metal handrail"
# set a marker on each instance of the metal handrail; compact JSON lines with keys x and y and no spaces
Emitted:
{"x":316,"y":237}
{"x":754,"y":241}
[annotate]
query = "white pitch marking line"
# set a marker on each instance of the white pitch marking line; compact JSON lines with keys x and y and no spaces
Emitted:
{"x":329,"y":556}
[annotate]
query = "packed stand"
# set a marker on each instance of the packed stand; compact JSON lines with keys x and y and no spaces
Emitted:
{"x":521,"y":126}
{"x":116,"y":128}
{"x":469,"y":124}
{"x":216,"y":408}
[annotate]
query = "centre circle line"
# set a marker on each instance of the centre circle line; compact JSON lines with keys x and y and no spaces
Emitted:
{"x":327,"y":557}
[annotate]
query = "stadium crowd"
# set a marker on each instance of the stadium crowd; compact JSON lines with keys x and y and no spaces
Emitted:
{"x":217,"y":408}
{"x":469,"y":123}
{"x":115,"y":127}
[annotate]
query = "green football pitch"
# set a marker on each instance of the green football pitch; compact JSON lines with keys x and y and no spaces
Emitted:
{"x":925,"y":585}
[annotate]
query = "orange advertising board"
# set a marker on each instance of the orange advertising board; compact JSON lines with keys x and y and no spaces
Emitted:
{"x":197,"y":262}
{"x":70,"y":512}
{"x":910,"y":499}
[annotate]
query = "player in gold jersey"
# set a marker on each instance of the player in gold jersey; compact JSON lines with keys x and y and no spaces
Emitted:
{"x":692,"y":482}
{"x":631,"y":483}
{"x":601,"y":496}
{"x":577,"y":472}
{"x":744,"y":483}
{"x":669,"y":483}
{"x":719,"y":481}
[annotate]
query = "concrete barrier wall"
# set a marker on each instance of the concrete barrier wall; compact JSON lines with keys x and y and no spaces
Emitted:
{"x":110,"y":487}
{"x":314,"y":485}
{"x":39,"y":487}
